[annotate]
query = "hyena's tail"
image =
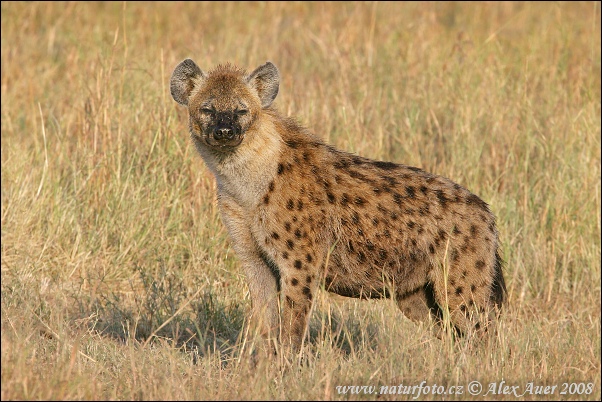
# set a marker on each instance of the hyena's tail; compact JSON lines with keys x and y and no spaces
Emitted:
{"x":498,"y":287}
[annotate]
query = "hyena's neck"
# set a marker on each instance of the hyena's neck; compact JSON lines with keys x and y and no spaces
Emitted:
{"x":245,"y":174}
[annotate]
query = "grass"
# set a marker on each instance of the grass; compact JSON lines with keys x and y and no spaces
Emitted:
{"x":118,"y":278}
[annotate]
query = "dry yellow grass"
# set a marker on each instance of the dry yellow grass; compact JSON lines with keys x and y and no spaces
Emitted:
{"x":118,"y":279}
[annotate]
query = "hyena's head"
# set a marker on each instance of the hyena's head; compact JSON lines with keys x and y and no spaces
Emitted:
{"x":224,"y":103}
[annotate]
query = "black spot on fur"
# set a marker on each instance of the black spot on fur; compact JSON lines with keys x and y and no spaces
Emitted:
{"x":299,"y":205}
{"x":458,"y":290}
{"x":473,"y":288}
{"x":271,"y":186}
{"x":474,"y":200}
{"x":361,"y":257}
{"x":391,"y":181}
{"x":344,"y":199}
{"x":298,"y":233}
{"x":431,"y":249}
{"x":290,"y":244}
{"x":480,"y":264}
{"x":308,"y":258}
{"x":411,"y":192}
{"x":385,"y":165}
{"x":341,"y":164}
{"x":287,"y":226}
{"x":266,"y":199}
{"x":285,"y":255}
{"x":275,"y":236}
{"x":411,"y":224}
{"x":355,"y":218}
{"x":292,"y":144}
{"x":423,"y":189}
{"x":473,"y":230}
{"x":331,"y":197}
{"x":453,"y":254}
{"x":441,"y":197}
{"x":298,"y":264}
{"x":290,"y":205}
{"x":350,"y":247}
{"x":294,"y":281}
{"x":280,"y":168}
{"x":359,"y":201}
{"x":360,"y":176}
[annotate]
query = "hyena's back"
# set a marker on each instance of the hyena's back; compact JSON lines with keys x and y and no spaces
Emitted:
{"x":396,"y":230}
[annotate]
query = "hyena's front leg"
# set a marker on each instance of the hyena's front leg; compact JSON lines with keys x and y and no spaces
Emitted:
{"x":298,"y":293}
{"x":262,"y":279}
{"x":299,"y":284}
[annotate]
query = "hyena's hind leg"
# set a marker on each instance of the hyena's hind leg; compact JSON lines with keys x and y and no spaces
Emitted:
{"x":473,"y":297}
{"x":415,"y":295}
{"x":419,"y":305}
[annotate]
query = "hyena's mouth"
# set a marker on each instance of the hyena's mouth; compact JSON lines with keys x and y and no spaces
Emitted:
{"x":225,"y":143}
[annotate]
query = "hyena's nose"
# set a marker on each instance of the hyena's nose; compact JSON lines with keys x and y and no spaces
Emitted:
{"x":224,"y":133}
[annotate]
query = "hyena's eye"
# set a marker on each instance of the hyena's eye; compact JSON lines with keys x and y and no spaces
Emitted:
{"x":242,"y":112}
{"x":206,"y":111}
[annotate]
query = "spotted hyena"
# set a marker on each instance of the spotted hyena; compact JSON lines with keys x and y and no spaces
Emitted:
{"x":302,"y":214}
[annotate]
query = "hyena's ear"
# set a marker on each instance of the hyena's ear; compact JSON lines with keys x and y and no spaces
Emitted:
{"x":265,"y":80}
{"x":183,"y":80}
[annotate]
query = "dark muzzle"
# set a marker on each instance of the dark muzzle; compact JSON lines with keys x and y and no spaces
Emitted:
{"x":226,"y":128}
{"x":226,"y":132}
